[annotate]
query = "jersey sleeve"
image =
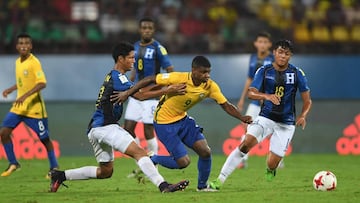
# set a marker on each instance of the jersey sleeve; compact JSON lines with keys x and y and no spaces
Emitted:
{"x":171,"y":78}
{"x":258,"y":78}
{"x":38,"y":71}
{"x":163,"y":57}
{"x":120,"y":81}
{"x":302,"y":84}
{"x":216,"y":94}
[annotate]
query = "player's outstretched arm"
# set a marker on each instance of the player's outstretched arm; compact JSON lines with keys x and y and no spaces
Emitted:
{"x":154,"y":91}
{"x":233,"y":111}
{"x":120,"y":97}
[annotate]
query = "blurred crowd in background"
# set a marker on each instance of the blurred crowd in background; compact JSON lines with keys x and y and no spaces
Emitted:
{"x":183,"y":26}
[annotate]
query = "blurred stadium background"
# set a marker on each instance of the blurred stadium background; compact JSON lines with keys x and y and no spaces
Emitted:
{"x":73,"y":39}
{"x":183,"y":26}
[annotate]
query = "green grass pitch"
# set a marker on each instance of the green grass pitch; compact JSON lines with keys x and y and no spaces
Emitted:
{"x":292,"y":183}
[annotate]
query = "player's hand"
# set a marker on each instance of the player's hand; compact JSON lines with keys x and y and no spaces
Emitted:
{"x":246,"y":119}
{"x":301,"y":121}
{"x":6,"y":92}
{"x":275,"y":99}
{"x":176,"y":89}
{"x":20,"y":101}
{"x":119,"y":97}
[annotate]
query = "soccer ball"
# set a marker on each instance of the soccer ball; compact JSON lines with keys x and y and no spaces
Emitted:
{"x":325,"y":181}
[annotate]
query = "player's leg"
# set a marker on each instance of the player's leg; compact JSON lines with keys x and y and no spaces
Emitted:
{"x":122,"y":141}
{"x":204,"y":164}
{"x":234,"y":159}
{"x":148,"y":168}
{"x":130,"y":125}
{"x":279,"y":143}
{"x":10,"y":122}
{"x":253,"y":110}
{"x":256,"y":132}
{"x":150,"y":138}
{"x":40,"y":127}
{"x":149,"y":107}
{"x":272,"y":162}
{"x":132,"y":116}
{"x":192,"y":137}
{"x":104,"y":156}
{"x":168,"y":134}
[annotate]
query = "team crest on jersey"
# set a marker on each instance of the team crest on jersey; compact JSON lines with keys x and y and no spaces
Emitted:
{"x":290,"y":78}
{"x":202,"y":95}
{"x":26,"y":72}
{"x":149,"y":53}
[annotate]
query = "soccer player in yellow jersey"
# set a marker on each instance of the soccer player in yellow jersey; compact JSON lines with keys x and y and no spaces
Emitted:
{"x":175,"y":129}
{"x":29,"y":106}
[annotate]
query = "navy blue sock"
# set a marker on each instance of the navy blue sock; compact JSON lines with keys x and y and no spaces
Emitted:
{"x":52,"y":159}
{"x":9,"y":149}
{"x":204,"y":168}
{"x":166,"y":161}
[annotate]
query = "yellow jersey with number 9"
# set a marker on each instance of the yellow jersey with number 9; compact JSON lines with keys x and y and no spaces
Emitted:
{"x":172,"y":108}
{"x":29,"y":73}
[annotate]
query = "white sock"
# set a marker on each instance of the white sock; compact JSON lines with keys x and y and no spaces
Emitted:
{"x":82,"y":173}
{"x":246,"y":157}
{"x":153,"y":145}
{"x":149,"y":169}
{"x":233,"y":160}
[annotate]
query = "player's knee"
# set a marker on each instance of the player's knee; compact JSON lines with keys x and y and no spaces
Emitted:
{"x":205,"y":153}
{"x":183,"y":162}
{"x":5,"y":135}
{"x":5,"y":138}
{"x":248,"y":143}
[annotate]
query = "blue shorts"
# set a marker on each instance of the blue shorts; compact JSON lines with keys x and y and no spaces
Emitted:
{"x":176,"y":135}
{"x":39,"y":126}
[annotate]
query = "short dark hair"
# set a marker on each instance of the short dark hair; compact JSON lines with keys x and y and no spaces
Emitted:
{"x":200,"y":61}
{"x":23,"y":35}
{"x":146,"y":19}
{"x":122,"y":49}
{"x":285,"y":44}
{"x":263,"y":34}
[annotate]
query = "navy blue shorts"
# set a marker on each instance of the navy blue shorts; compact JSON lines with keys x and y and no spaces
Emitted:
{"x":176,"y":135}
{"x":39,"y":126}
